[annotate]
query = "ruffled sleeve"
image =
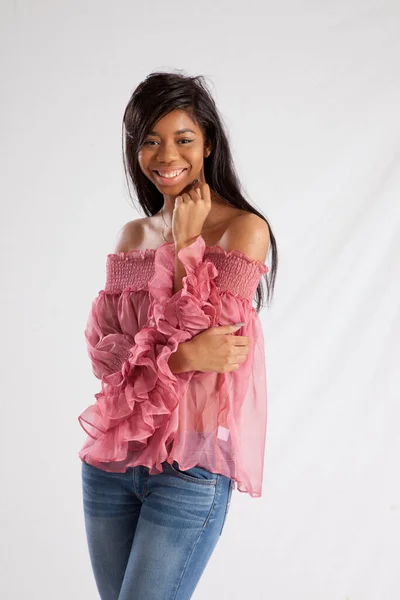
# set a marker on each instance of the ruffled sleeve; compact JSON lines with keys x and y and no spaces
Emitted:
{"x":222,"y":416}
{"x":209,"y":280}
{"x":107,"y":346}
{"x":197,"y":305}
{"x":138,"y":393}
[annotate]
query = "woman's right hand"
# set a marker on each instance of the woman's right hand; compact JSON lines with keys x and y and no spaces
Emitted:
{"x":215,"y":350}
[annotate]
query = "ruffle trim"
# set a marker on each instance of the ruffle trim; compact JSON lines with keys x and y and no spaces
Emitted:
{"x":136,"y":400}
{"x":195,"y":307}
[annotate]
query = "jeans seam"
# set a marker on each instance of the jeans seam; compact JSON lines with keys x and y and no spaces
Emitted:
{"x":196,"y":542}
{"x":227,"y":505}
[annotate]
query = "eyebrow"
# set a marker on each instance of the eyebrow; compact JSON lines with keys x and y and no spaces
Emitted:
{"x":175,"y":132}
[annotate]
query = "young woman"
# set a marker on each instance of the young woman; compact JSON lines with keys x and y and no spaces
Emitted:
{"x":181,"y":417}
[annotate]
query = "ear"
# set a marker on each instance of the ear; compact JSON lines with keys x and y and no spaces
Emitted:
{"x":207,"y":150}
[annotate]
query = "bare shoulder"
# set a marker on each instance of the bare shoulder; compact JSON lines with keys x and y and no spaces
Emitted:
{"x":250,"y":234}
{"x":131,"y":235}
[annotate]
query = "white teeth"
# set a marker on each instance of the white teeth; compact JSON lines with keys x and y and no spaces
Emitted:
{"x":170,"y":175}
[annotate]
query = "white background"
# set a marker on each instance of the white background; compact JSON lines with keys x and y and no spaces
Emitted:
{"x":310,"y":94}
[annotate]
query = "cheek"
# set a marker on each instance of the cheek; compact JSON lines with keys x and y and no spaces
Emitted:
{"x":141,"y":157}
{"x":195,"y":156}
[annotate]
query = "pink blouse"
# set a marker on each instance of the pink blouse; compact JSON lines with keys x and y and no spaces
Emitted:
{"x":144,"y":413}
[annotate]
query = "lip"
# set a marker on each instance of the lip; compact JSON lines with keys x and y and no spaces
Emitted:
{"x":169,"y":180}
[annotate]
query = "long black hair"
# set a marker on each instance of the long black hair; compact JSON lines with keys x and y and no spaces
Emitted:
{"x":159,"y":94}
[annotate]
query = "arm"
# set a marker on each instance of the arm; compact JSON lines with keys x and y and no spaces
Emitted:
{"x":249,"y":234}
{"x":200,"y":304}
{"x":180,"y":271}
{"x":131,"y":236}
{"x":230,"y":406}
{"x":139,"y":392}
{"x":107,"y":347}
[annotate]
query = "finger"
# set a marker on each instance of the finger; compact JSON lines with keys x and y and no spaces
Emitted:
{"x":240,"y":340}
{"x":190,"y":186}
{"x":185,"y":197}
{"x":245,"y":339}
{"x":204,"y":190}
{"x":224,"y":329}
{"x":239,"y":358}
{"x":194,"y":195}
{"x":240,"y":348}
{"x":233,"y":367}
{"x":196,"y":187}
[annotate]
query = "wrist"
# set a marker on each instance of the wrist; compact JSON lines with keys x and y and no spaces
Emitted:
{"x":179,"y":244}
{"x":181,"y":361}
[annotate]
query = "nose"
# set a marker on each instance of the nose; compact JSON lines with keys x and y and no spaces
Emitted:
{"x":167,"y":152}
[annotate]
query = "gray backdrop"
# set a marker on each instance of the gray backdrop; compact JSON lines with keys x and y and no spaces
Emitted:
{"x":310,"y":93}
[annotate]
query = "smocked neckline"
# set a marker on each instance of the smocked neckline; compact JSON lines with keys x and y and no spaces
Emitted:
{"x":213,"y":249}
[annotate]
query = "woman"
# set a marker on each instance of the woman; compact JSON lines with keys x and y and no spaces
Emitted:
{"x":178,"y":423}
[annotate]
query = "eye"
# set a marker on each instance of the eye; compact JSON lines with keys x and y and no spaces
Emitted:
{"x":154,"y":142}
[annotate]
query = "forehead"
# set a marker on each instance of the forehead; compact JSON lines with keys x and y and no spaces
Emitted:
{"x":173,"y":122}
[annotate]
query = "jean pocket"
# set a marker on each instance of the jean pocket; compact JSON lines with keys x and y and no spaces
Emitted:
{"x":228,"y":503}
{"x":197,"y":475}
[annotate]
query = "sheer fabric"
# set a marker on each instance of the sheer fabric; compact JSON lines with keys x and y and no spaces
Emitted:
{"x":144,"y":413}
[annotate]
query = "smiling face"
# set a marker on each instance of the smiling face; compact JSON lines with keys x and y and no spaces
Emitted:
{"x":172,"y":154}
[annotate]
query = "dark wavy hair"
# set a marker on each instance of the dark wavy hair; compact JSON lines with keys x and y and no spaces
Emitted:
{"x":159,"y":94}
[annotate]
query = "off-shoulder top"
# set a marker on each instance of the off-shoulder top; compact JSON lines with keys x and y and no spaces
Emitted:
{"x":144,"y":413}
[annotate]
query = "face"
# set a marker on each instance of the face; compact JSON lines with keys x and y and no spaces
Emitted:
{"x":175,"y":143}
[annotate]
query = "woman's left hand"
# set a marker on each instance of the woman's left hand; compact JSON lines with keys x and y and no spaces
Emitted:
{"x":190,"y":212}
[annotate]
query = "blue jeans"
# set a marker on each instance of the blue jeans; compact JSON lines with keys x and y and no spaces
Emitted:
{"x":150,"y":536}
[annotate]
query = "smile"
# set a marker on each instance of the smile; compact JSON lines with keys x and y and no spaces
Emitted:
{"x":169,"y":178}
